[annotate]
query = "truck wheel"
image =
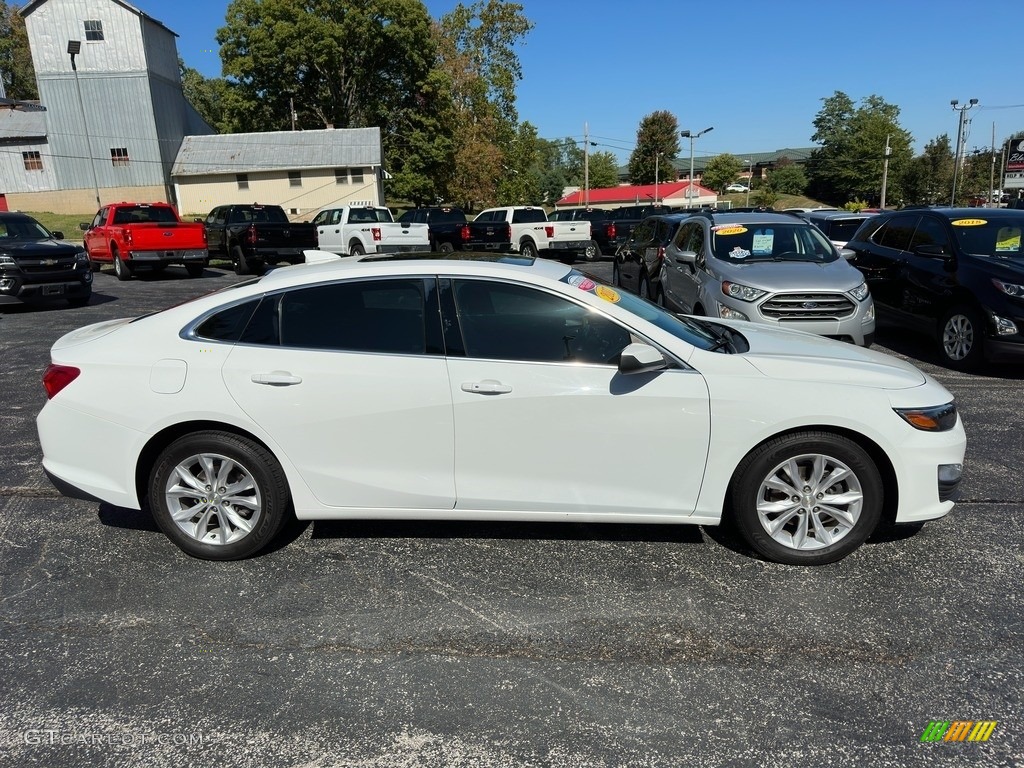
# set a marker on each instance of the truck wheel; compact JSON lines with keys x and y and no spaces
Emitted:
{"x":528,"y":249}
{"x":121,"y":270}
{"x":238,"y":261}
{"x":195,"y":270}
{"x":593,"y":251}
{"x":356,"y":249}
{"x":446,"y":248}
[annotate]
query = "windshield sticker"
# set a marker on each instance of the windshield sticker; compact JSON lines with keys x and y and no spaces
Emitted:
{"x":969,"y":223}
{"x":762,"y":245}
{"x":739,"y":253}
{"x":1008,"y":239}
{"x":729,"y":230}
{"x":607,"y":294}
{"x":583,"y":283}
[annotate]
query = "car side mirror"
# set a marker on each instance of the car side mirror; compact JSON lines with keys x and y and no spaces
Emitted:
{"x":641,"y":358}
{"x":84,"y":226}
{"x":57,"y":235}
{"x":686,"y":257}
{"x":846,"y":253}
{"x":198,"y":220}
{"x":932,"y":250}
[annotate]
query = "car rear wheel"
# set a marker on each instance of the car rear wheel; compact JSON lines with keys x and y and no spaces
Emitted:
{"x":238,"y":261}
{"x":121,"y":270}
{"x":592,"y":252}
{"x":807,"y":498}
{"x":528,"y":250}
{"x":218,"y":496}
{"x":195,"y":270}
{"x":645,"y":288}
{"x":446,"y":248}
{"x":356,"y":249}
{"x":962,"y":338}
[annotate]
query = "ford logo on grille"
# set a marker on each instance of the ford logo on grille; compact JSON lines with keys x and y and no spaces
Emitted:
{"x":168,"y":234}
{"x":810,"y":305}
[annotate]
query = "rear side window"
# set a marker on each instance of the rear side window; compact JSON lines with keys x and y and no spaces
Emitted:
{"x":228,"y":324}
{"x":528,"y":215}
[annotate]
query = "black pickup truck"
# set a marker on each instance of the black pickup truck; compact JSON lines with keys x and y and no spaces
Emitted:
{"x":602,"y":229}
{"x":450,"y":231}
{"x":627,"y":217}
{"x":254,"y":235}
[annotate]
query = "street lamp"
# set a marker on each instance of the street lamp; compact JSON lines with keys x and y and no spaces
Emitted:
{"x":657,"y":157}
{"x":691,"y":136}
{"x":959,"y":141}
{"x":750,"y":178}
{"x":75,"y":48}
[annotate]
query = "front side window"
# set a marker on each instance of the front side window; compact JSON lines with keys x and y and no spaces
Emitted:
{"x":384,"y":316}
{"x":119,"y":156}
{"x":898,"y":232}
{"x":504,"y":321}
{"x":930,"y":232}
{"x":33,"y":161}
{"x":93,"y":30}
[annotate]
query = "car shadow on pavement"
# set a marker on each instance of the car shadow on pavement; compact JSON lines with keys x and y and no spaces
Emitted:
{"x":920,"y":349}
{"x":128,"y":519}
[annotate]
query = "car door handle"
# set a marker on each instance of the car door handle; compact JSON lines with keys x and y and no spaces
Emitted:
{"x":486,"y":387}
{"x":276,"y":379}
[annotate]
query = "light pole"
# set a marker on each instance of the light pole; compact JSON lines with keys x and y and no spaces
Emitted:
{"x":657,"y":157}
{"x":75,"y":48}
{"x":750,"y":178}
{"x":691,"y":136}
{"x":959,"y":141}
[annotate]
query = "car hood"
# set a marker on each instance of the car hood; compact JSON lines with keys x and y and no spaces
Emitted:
{"x":39,"y":249}
{"x":784,"y":354}
{"x":792,"y":276}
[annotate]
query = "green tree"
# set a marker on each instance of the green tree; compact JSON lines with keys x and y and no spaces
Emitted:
{"x":657,"y":146}
{"x":721,"y":171}
{"x":19,"y":76}
{"x":788,"y":178}
{"x":604,"y":170}
{"x":849,"y":164}
{"x":209,"y":96}
{"x":928,"y":178}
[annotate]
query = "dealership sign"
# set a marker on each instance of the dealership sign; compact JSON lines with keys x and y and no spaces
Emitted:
{"x":1014,"y":178}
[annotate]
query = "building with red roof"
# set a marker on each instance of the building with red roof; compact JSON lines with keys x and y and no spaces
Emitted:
{"x":671,"y":193}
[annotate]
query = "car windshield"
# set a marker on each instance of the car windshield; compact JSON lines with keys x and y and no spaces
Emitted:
{"x":999,"y":238}
{"x":23,"y":229}
{"x":745,"y":243}
{"x":692,"y":330}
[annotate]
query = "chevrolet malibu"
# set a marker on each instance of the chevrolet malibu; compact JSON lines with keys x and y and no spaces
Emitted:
{"x":483,"y":388}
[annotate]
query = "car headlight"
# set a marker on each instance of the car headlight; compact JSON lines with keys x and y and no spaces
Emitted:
{"x":742,"y":292}
{"x":1010,"y":289}
{"x":82,"y":257}
{"x":861,"y":292}
{"x":940,"y":418}
{"x":6,"y":260}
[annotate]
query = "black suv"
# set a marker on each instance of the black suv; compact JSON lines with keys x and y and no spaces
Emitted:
{"x":602,"y":229}
{"x":628,"y":216}
{"x":955,"y":273}
{"x":838,"y":226}
{"x":36,"y":265}
{"x":640,"y":257}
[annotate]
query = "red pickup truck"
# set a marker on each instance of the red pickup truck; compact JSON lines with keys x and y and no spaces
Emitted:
{"x":147,"y":235}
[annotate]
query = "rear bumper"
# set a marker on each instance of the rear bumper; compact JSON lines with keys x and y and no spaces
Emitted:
{"x":173,"y":256}
{"x":419,"y":248}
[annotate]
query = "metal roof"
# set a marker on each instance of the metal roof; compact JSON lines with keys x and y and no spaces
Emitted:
{"x":278,"y":150}
{"x":18,"y":123}
{"x":29,"y":7}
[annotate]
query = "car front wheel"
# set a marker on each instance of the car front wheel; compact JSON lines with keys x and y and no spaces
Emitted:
{"x":218,"y":496}
{"x":808,"y":498}
{"x":962,"y":338}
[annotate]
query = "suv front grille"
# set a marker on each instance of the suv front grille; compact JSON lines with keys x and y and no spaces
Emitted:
{"x":808,"y":306}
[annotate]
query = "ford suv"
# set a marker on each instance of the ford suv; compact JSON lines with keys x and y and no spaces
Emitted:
{"x":956,"y":274}
{"x":770,"y":268}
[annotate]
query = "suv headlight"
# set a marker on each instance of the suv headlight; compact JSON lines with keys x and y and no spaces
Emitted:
{"x":1010,"y":289}
{"x":6,"y":260}
{"x":861,"y":292}
{"x":742,"y":292}
{"x":940,"y":418}
{"x":82,"y":257}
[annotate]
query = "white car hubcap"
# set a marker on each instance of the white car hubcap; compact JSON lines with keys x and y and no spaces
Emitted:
{"x":213,"y":499}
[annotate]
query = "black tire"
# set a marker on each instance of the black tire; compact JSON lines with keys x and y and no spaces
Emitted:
{"x":528,"y":249}
{"x":195,"y":270}
{"x":265,"y":505}
{"x":446,"y":248}
{"x":962,"y":338}
{"x":643,"y":290}
{"x":592,"y":251}
{"x":799,"y":539}
{"x":659,"y":296}
{"x":121,"y":270}
{"x":356,"y":249}
{"x":616,"y":275}
{"x":238,"y":262}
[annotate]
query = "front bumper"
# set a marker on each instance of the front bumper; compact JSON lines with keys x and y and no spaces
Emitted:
{"x":18,"y":288}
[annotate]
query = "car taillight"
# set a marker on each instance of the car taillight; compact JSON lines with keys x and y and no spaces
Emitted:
{"x":549,"y":231}
{"x":251,"y":235}
{"x":611,"y":230}
{"x":464,"y":233}
{"x":127,"y":237}
{"x":508,"y":232}
{"x":56,"y":377}
{"x":375,"y":231}
{"x":661,"y":253}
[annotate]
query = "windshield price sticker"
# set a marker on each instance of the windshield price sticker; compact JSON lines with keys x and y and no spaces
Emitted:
{"x":608,"y":294}
{"x":762,"y":244}
{"x":729,"y":230}
{"x":969,"y":223}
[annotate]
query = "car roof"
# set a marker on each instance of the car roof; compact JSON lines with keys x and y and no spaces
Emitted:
{"x":839,"y":214}
{"x":15,"y":216}
{"x":752,"y":217}
{"x":964,"y":213}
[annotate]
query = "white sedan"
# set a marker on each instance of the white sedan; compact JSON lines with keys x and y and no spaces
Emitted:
{"x":488,"y":388}
{"x":737,"y":187}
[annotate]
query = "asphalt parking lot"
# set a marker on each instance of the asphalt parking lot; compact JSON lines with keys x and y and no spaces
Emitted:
{"x":452,"y":644}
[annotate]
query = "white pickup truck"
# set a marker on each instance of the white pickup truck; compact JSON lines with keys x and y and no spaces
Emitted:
{"x":533,"y":235}
{"x":355,"y":230}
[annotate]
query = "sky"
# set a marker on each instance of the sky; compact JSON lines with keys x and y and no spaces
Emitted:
{"x":756,"y":71}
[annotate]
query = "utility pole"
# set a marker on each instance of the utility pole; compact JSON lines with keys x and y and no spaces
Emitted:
{"x":657,"y":157}
{"x":586,"y":165}
{"x":885,"y":171}
{"x":959,"y":142}
{"x":992,"y":174}
{"x":291,"y":109}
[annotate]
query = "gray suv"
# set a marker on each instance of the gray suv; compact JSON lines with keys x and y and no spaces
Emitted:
{"x":770,"y":268}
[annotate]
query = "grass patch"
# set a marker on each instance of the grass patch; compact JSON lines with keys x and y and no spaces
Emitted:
{"x":62,"y":222}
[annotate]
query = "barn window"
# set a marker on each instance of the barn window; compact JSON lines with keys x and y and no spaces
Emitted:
{"x":294,"y":178}
{"x":33,"y":161}
{"x":94,"y":30}
{"x":243,"y":180}
{"x":341,"y":176}
{"x":119,"y":156}
{"x":357,"y":175}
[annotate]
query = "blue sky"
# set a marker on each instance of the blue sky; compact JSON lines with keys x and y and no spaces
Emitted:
{"x":755,"y":70}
